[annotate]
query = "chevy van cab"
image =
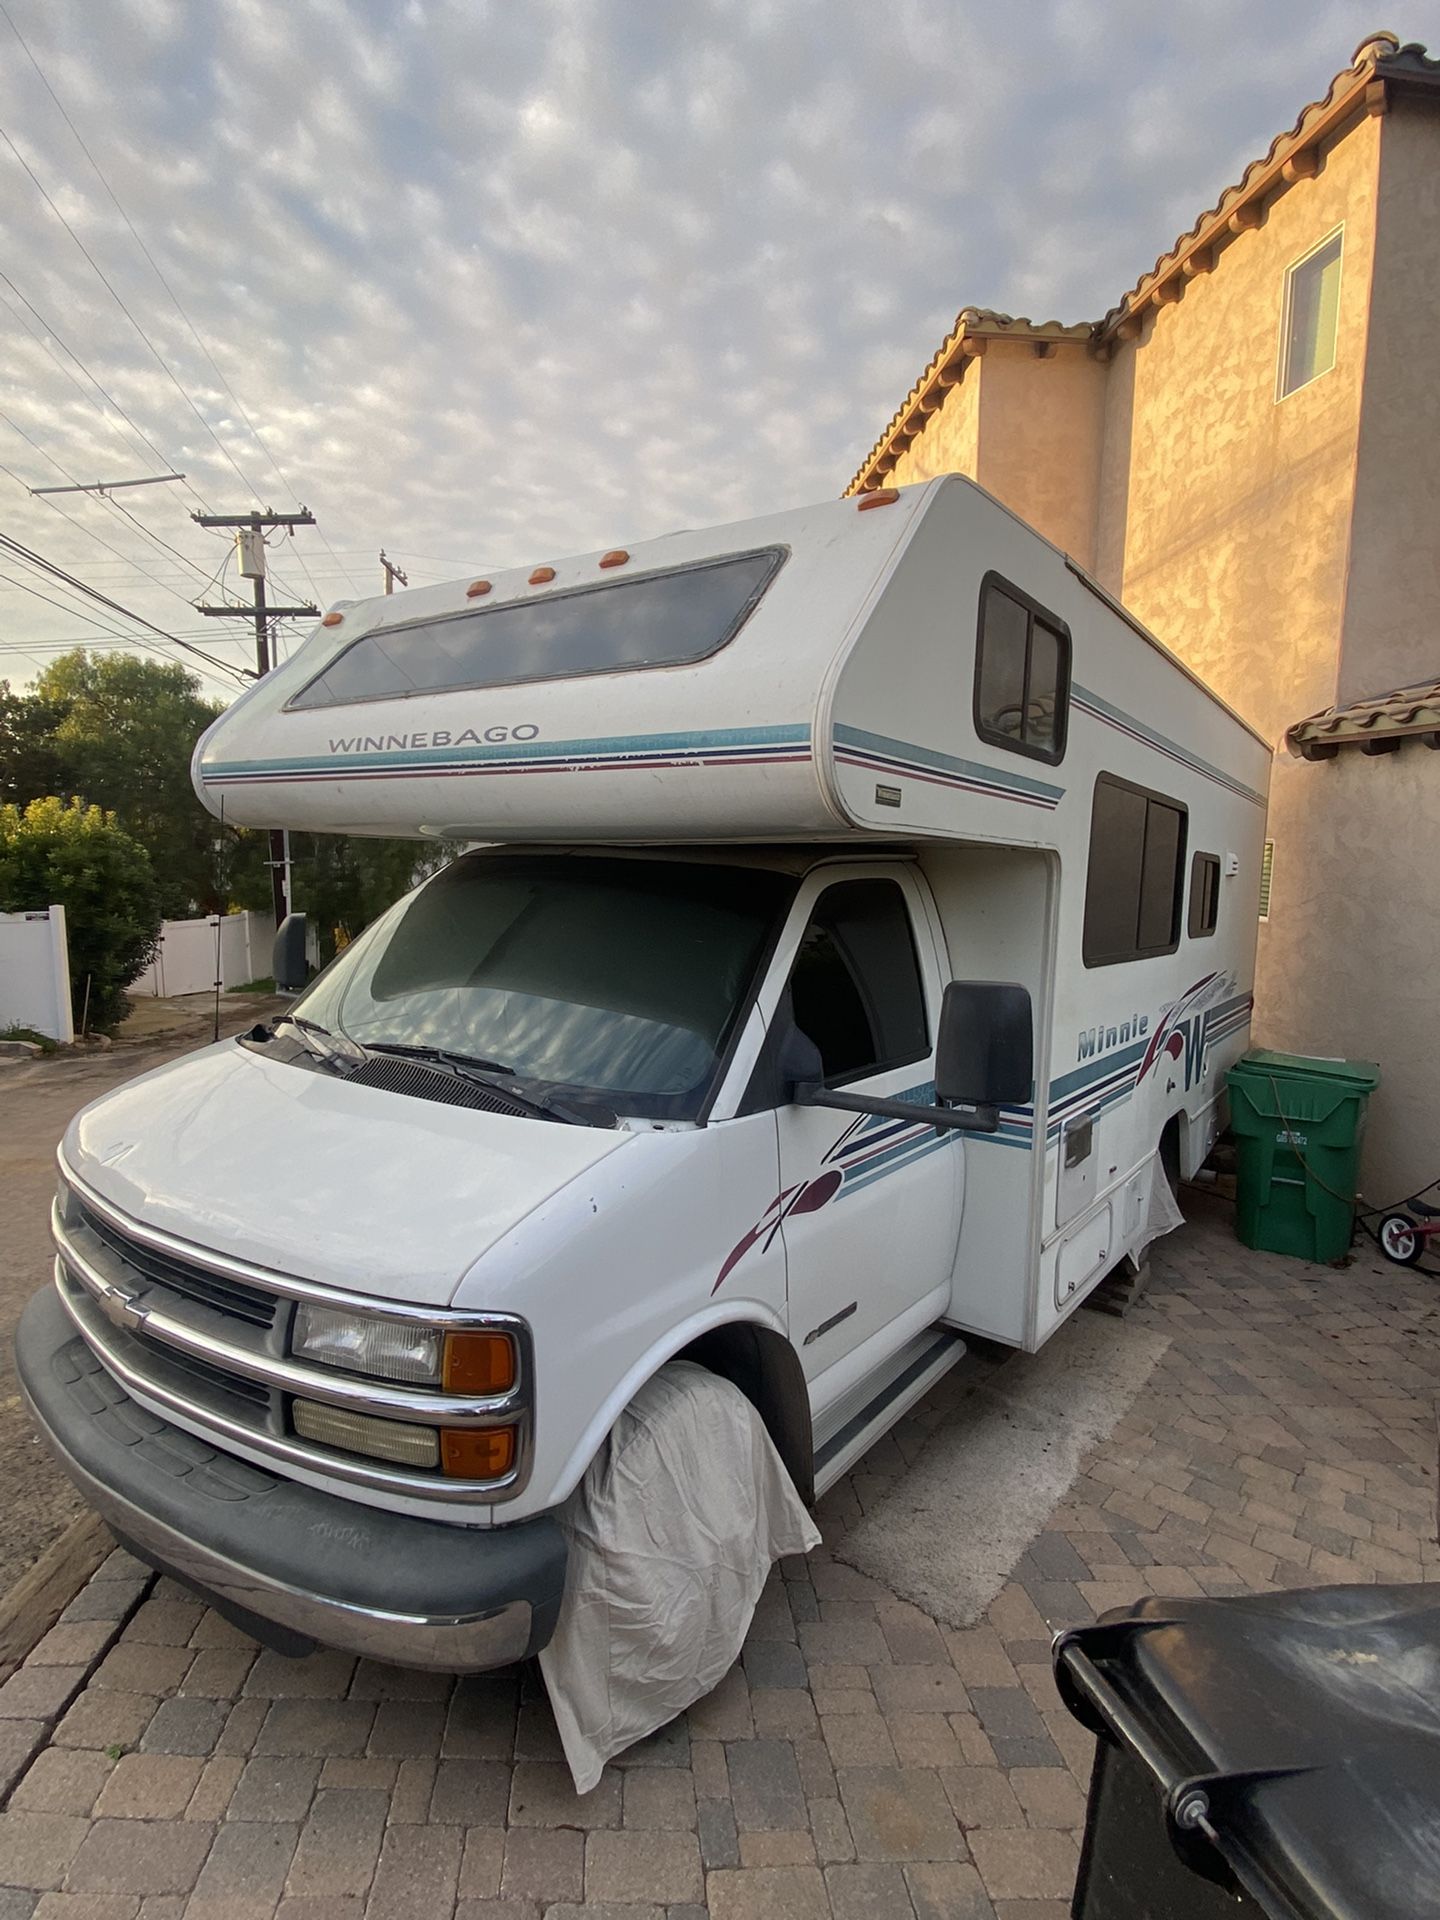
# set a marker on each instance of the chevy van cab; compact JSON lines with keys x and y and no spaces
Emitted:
{"x":863,"y":928}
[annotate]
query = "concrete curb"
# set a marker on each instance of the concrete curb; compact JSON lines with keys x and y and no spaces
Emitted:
{"x":78,"y":1625}
{"x":39,"y":1597}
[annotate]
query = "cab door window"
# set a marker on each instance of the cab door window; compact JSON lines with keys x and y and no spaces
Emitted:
{"x":855,"y":988}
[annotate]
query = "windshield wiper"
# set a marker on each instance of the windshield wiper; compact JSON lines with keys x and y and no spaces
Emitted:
{"x":443,"y":1056}
{"x":335,"y":1049}
{"x":484,"y":1073}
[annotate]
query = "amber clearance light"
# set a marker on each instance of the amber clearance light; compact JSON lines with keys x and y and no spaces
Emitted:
{"x":479,"y":1363}
{"x":477,"y":1453}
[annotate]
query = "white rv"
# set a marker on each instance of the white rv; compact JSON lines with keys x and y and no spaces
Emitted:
{"x":865,"y":930}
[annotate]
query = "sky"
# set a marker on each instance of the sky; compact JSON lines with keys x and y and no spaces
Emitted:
{"x":487,"y":282}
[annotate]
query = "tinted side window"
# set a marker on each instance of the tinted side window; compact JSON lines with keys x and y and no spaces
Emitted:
{"x":1022,"y":673}
{"x":1204,"y":895}
{"x":1135,"y":876}
{"x":855,"y":986}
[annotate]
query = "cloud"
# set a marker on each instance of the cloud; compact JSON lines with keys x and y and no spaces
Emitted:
{"x":492,"y":283}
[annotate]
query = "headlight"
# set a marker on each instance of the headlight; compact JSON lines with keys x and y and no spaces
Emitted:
{"x":463,"y":1362}
{"x":389,"y":1349}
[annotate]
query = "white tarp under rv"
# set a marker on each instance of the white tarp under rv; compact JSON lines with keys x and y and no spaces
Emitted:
{"x":866,"y":923}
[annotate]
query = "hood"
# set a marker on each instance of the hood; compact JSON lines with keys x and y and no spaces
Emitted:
{"x":309,"y":1175}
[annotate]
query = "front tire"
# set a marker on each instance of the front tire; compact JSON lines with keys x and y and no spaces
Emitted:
{"x":1399,"y":1240}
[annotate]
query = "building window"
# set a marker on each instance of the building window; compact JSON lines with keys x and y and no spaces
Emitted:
{"x":1136,"y":874}
{"x":1267,"y":869}
{"x":855,"y":986}
{"x":1310,"y":316}
{"x":1204,"y":895}
{"x":1022,"y":673}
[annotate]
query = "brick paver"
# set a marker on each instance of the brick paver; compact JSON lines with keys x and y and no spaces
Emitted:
{"x":858,"y":1761}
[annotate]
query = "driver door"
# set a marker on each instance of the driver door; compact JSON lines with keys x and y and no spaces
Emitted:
{"x":871,"y":1205}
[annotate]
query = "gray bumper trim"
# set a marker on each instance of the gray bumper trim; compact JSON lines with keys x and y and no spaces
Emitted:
{"x":406,"y":1591}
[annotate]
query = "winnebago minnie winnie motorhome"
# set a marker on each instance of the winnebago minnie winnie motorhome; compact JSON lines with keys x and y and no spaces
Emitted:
{"x":869,"y":930}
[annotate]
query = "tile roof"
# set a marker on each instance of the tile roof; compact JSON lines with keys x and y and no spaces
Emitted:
{"x":1375,"y":725}
{"x":1379,"y":58}
{"x":965,"y":341}
{"x":1380,"y":63}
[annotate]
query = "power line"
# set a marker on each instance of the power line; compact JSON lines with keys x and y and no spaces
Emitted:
{"x":110,"y":288}
{"x":129,"y":560}
{"x":70,"y":354}
{"x":37,"y":560}
{"x":174,"y":298}
{"x":119,"y":640}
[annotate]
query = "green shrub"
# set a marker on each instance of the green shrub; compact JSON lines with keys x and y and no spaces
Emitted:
{"x":58,"y":851}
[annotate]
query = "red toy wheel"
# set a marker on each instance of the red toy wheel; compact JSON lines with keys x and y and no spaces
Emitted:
{"x":1399,"y":1241}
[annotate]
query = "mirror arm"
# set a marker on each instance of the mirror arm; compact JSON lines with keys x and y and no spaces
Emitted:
{"x":968,"y":1118}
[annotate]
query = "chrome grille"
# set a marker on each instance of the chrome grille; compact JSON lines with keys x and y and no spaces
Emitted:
{"x":210,"y":1346}
{"x":219,"y":1379}
{"x":230,"y":1297}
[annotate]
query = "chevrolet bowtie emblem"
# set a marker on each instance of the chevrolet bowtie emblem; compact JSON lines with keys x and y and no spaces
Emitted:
{"x":122,"y":1309}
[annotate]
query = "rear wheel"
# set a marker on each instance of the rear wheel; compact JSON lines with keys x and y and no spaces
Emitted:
{"x":1399,"y":1241}
{"x":1170,"y":1157}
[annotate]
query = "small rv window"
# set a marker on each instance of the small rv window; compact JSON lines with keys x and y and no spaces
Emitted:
{"x":653,"y":620}
{"x":855,"y":986}
{"x":1022,"y":673}
{"x":1204,"y":895}
{"x":1136,"y":873}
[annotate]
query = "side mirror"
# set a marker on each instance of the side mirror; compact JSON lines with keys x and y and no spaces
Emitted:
{"x":985,"y":1053}
{"x":288,"y":954}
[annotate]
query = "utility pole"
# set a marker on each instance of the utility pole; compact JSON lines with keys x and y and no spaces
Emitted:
{"x":392,"y":573}
{"x":250,"y":551}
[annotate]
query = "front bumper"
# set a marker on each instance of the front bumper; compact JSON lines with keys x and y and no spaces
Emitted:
{"x":294,"y":1567}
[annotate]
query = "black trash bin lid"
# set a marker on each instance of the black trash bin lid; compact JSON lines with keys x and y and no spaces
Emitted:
{"x":1332,"y":1698}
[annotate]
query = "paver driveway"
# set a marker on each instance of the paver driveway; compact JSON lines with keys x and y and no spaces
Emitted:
{"x":860,"y":1761}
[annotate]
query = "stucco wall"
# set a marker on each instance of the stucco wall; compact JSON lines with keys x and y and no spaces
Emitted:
{"x":1029,"y":430}
{"x":951,"y":440}
{"x":1391,"y":618}
{"x":1237,"y":507}
{"x":1040,"y":424}
{"x":1361,"y":848}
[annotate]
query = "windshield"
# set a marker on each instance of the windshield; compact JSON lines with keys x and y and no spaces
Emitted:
{"x":618,"y":977}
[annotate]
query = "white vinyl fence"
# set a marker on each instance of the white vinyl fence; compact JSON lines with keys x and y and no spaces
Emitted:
{"x":35,"y":973}
{"x":186,"y":961}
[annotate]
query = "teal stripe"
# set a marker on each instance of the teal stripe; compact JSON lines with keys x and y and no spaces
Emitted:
{"x":1164,"y":742}
{"x":945,"y":762}
{"x":1098,"y":1069}
{"x":614,"y":746}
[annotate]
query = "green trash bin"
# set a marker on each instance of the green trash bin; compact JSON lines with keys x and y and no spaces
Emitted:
{"x":1297,"y":1124}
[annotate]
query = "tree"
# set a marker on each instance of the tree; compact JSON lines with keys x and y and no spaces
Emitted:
{"x":79,"y":857}
{"x":122,"y":730}
{"x":29,"y":762}
{"x":119,"y":732}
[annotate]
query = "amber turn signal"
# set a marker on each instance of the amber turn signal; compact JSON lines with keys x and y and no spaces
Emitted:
{"x":881,"y":497}
{"x":479,"y":1363}
{"x":477,"y":1453}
